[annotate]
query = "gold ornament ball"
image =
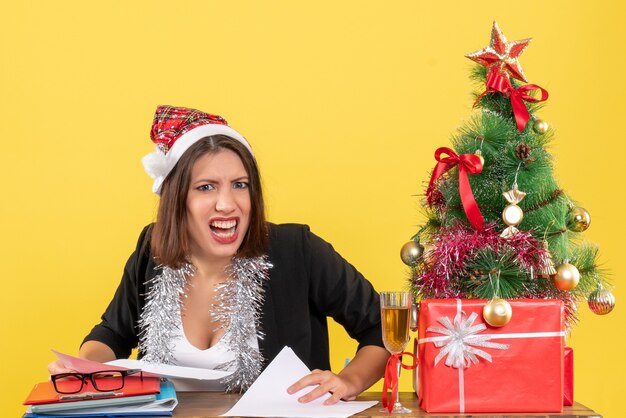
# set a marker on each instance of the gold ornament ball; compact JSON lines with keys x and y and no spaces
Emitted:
{"x":601,"y":302}
{"x":540,"y":126}
{"x":479,"y":153}
{"x":411,"y":253}
{"x":566,"y":277}
{"x":578,"y":219}
{"x":497,"y":312}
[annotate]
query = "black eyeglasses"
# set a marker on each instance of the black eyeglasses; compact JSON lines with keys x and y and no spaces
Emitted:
{"x":102,"y":381}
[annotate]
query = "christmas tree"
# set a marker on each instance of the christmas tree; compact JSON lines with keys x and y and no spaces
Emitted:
{"x":498,"y":225}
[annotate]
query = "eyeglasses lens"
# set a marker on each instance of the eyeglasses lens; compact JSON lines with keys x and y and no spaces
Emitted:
{"x":68,"y":383}
{"x":106,"y":381}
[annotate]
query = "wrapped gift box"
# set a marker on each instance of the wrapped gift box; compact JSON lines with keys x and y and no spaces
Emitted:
{"x":568,"y":374}
{"x":568,"y":383}
{"x":525,"y":373}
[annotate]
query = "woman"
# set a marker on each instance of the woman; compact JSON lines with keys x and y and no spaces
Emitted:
{"x":211,"y":284}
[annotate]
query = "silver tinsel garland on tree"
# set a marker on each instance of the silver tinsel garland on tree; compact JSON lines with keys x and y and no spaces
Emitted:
{"x":237,"y":310}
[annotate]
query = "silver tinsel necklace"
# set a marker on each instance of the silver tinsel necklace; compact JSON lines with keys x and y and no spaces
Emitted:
{"x":237,"y":309}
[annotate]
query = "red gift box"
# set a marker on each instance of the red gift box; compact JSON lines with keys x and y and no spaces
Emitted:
{"x":514,"y":368}
{"x":568,"y":384}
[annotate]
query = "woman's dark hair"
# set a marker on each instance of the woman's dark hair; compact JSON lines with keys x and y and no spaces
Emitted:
{"x":170,"y":240}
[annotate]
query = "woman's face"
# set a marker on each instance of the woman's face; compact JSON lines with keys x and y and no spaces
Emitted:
{"x":218,"y":205}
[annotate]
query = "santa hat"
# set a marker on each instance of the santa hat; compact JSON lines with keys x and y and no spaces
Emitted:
{"x":174,"y":130}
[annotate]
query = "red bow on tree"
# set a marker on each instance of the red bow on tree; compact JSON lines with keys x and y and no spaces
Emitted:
{"x":497,"y":82}
{"x":468,"y":163}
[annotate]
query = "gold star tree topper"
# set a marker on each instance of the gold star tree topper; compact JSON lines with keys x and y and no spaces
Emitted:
{"x":502,"y":55}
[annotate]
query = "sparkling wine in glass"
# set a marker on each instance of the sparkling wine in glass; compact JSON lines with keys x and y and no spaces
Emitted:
{"x":395,"y":311}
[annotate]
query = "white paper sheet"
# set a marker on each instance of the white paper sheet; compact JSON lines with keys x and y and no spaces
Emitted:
{"x":149,"y":369}
{"x":268,"y":397}
{"x":168,"y":370}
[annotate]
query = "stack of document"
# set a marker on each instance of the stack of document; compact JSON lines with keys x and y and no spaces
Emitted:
{"x":150,"y":397}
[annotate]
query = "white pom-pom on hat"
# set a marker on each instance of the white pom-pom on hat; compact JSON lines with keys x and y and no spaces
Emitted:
{"x":155,"y":164}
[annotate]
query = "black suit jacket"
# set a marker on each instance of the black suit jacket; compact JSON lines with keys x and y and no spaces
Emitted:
{"x":309,"y":282}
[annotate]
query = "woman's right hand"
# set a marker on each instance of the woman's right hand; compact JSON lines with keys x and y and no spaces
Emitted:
{"x":90,"y":350}
{"x":57,"y":367}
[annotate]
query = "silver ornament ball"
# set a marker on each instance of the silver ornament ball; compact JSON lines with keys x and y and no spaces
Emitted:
{"x":411,"y":253}
{"x":601,"y":301}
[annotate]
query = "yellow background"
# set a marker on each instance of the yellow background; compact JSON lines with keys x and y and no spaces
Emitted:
{"x":344,"y":104}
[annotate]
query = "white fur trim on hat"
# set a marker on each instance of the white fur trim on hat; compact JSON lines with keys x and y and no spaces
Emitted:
{"x":158,"y":165}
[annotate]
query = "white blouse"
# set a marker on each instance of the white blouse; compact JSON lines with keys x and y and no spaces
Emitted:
{"x":187,"y":355}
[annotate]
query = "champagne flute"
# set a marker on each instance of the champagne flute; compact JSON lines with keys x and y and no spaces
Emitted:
{"x":395,"y":312}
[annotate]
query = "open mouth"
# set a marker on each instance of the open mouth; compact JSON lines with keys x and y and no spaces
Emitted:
{"x":224,"y":230}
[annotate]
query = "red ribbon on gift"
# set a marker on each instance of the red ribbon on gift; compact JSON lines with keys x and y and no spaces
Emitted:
{"x":496,"y":82}
{"x":468,"y":163}
{"x":391,"y":378}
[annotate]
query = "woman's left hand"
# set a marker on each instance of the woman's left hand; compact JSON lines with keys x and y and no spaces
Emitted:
{"x":328,"y":382}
